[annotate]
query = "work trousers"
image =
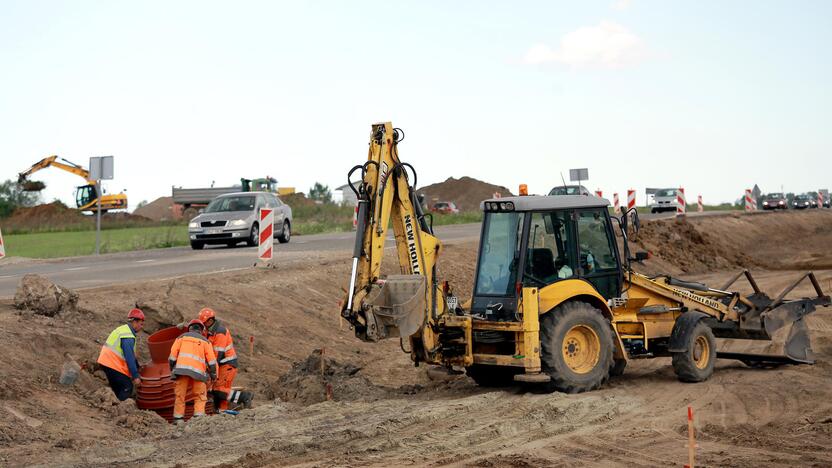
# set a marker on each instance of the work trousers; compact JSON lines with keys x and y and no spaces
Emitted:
{"x":121,"y":384}
{"x":222,"y":386}
{"x":181,"y":392}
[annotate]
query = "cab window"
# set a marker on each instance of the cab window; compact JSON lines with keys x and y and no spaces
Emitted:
{"x":550,"y":255}
{"x":595,"y":242}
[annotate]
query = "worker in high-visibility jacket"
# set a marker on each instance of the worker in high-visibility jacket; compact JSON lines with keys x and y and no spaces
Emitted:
{"x":220,"y":338}
{"x":118,"y":356}
{"x":192,"y":364}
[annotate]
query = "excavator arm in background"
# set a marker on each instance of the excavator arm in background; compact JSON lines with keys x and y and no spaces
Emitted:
{"x":86,"y":196}
{"x":408,"y":305}
{"x":52,"y":161}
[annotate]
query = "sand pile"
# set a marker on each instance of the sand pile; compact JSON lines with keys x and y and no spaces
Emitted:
{"x":307,"y":382}
{"x":465,"y":192}
{"x":55,"y":214}
{"x":160,"y":209}
{"x":43,"y":297}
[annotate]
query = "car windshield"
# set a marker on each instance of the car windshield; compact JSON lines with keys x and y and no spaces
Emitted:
{"x":566,"y":190}
{"x":240,"y":203}
{"x":774,"y":196}
{"x":802,"y":197}
{"x":497,"y":266}
{"x":666,"y":193}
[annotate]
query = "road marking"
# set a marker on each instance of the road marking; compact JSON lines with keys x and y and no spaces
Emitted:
{"x":145,"y":261}
{"x":75,"y":269}
{"x":7,"y":276}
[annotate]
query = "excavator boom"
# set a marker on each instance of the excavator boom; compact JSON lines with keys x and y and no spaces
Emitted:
{"x":86,"y":195}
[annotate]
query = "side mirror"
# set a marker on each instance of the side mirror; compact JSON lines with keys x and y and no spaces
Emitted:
{"x":201,"y":210}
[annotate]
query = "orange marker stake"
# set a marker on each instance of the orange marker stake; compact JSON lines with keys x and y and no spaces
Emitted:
{"x":251,"y":345}
{"x":691,"y":439}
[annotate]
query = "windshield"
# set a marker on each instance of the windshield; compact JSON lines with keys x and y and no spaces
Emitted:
{"x":566,"y":190}
{"x":666,"y":193}
{"x":802,"y":197}
{"x":774,"y":196}
{"x":497,"y":266}
{"x":241,"y":203}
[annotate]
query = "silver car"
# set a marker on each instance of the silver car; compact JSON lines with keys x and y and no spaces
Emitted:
{"x":233,"y":218}
{"x":664,"y":200}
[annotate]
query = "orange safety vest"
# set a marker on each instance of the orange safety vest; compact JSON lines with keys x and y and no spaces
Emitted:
{"x":193,"y":356}
{"x":223,"y":344}
{"x":112,"y":355}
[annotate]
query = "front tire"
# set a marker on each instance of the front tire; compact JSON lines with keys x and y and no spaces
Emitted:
{"x":696,"y":364}
{"x":254,"y":237}
{"x":286,"y":233}
{"x":576,"y":348}
{"x":197,"y":245}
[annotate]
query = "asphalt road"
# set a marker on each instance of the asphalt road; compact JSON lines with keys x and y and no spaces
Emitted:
{"x":92,"y":271}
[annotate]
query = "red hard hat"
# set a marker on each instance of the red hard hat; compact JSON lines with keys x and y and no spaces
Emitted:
{"x":135,"y":314}
{"x":196,"y":322}
{"x":206,"y":313}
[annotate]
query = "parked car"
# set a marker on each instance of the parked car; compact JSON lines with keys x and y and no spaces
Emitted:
{"x":775,"y":201}
{"x":664,"y":200}
{"x":569,"y":190}
{"x":801,"y":202}
{"x":233,"y":218}
{"x":444,"y":207}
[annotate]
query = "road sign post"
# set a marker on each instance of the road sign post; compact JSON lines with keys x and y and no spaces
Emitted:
{"x":101,"y":168}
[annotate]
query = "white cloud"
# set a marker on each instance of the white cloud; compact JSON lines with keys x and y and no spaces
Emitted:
{"x":621,"y":5}
{"x":608,"y":45}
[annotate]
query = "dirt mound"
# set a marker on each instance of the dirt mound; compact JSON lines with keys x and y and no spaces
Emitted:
{"x":778,"y":241}
{"x":54,"y":214}
{"x":308,"y":382}
{"x":465,"y":192}
{"x":160,"y":209}
{"x":43,"y":297}
{"x":297,"y":199}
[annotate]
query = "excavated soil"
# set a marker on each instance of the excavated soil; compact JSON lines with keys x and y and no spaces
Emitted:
{"x":56,"y":216}
{"x":385,"y":412}
{"x":465,"y":192}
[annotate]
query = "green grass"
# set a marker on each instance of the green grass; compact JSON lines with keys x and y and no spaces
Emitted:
{"x":74,"y":243}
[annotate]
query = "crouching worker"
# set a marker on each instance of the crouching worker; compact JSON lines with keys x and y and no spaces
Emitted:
{"x":192,"y":364}
{"x":118,"y":356}
{"x":223,"y":344}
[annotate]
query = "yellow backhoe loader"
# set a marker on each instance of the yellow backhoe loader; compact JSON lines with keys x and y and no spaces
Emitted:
{"x":86,"y":196}
{"x":555,"y":303}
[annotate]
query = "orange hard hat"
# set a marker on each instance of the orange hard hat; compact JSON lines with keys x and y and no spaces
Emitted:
{"x":206,"y":313}
{"x":135,"y":314}
{"x":196,"y":322}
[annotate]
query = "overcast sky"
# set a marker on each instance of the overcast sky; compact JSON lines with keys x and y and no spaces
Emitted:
{"x":713,"y":96}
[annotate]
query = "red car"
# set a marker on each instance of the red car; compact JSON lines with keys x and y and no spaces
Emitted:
{"x":444,"y":207}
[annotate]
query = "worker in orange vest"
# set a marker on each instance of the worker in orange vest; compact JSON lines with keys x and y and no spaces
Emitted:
{"x":118,"y":356}
{"x":192,"y":364}
{"x":223,"y":344}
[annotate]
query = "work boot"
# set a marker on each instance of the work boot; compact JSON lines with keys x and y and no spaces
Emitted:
{"x":245,"y":399}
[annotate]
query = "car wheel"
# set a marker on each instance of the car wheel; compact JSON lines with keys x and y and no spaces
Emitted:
{"x":286,"y":233}
{"x":254,"y":237}
{"x":231,"y":245}
{"x":197,"y":245}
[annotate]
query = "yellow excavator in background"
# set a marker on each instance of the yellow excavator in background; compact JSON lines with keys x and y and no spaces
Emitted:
{"x":555,"y":304}
{"x":86,"y":196}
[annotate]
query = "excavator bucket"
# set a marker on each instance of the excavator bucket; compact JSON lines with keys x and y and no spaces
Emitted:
{"x":395,"y":307}
{"x":32,"y":186}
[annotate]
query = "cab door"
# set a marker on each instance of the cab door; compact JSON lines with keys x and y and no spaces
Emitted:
{"x":598,"y":261}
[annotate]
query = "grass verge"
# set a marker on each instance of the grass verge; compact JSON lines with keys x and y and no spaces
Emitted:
{"x":75,"y":243}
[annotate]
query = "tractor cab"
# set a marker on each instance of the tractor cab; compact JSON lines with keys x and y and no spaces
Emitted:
{"x":539,"y":241}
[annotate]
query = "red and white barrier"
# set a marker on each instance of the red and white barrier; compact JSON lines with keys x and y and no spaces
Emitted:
{"x":699,"y":206}
{"x":615,"y":206}
{"x":750,"y":204}
{"x":264,"y":252}
{"x":2,"y":246}
{"x":820,"y":199}
{"x":355,"y":218}
{"x":599,"y":193}
{"x":681,"y":203}
{"x":631,"y":199}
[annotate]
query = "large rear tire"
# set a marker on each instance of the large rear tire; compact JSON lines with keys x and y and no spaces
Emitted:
{"x":576,"y":348}
{"x":696,"y":364}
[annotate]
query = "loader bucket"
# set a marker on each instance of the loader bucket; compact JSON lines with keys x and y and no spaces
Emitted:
{"x":396,"y":308}
{"x":32,"y":186}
